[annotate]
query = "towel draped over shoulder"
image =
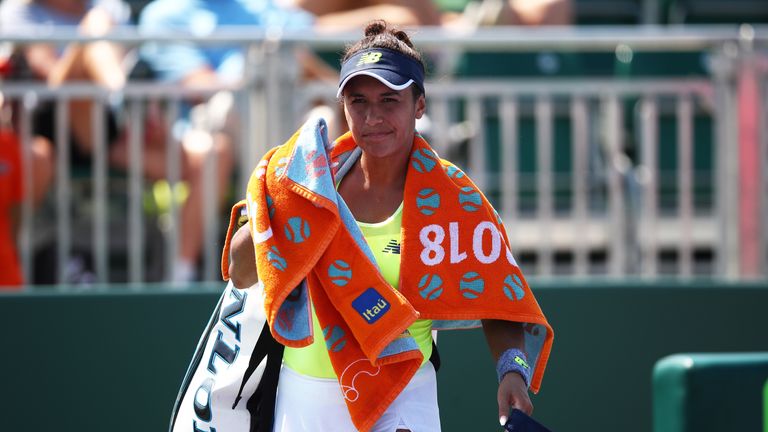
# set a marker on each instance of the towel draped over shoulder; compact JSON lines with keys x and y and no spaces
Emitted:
{"x":456,"y":266}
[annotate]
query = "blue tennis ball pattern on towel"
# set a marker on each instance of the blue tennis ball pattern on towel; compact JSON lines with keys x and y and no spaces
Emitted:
{"x":335,"y":339}
{"x":430,"y":286}
{"x":427,"y":201}
{"x":270,"y":206}
{"x":454,"y":172}
{"x":423,"y":160}
{"x":471,"y":285}
{"x":513,"y":287}
{"x":275,"y":259}
{"x":340,"y":273}
{"x":297,"y":229}
{"x":469,"y":199}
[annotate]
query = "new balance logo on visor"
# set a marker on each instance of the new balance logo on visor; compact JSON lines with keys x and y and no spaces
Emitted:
{"x":371,"y":57}
{"x":393,"y":247}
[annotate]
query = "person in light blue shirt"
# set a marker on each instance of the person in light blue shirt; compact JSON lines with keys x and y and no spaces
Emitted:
{"x":100,"y":63}
{"x":181,"y":62}
{"x":210,"y":124}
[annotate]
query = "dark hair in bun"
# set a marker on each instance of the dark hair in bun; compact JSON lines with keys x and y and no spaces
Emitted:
{"x":379,"y":34}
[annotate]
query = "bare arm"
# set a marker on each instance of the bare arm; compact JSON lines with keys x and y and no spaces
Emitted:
{"x":46,"y":65}
{"x":242,"y":259}
{"x":348,"y":15}
{"x":426,"y":11}
{"x":202,"y":77}
{"x":512,"y":393}
{"x":399,"y":15}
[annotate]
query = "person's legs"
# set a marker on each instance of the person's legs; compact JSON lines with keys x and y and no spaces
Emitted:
{"x":154,"y":140}
{"x":208,"y":151}
{"x":97,"y":62}
{"x":415,"y":408}
{"x":198,"y":147}
{"x":190,"y":246}
{"x":42,"y":167}
{"x":317,"y":404}
{"x":307,"y":403}
{"x":536,"y":12}
{"x":102,"y":60}
{"x":195,"y":150}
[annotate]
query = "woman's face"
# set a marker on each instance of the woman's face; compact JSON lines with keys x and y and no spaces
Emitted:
{"x":382,"y":120}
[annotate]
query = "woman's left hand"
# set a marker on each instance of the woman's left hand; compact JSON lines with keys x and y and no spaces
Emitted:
{"x":513,"y":393}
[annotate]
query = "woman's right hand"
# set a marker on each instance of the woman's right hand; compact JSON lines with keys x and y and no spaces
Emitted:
{"x":242,"y":259}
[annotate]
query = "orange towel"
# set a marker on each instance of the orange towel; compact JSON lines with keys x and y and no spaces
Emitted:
{"x":457,"y":267}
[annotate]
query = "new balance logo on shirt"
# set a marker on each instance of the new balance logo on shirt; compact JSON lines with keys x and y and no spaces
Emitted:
{"x":392,"y":247}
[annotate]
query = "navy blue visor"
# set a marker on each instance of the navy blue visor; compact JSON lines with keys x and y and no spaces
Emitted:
{"x":394,"y":69}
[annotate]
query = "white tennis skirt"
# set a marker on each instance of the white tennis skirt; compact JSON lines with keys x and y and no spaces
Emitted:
{"x":307,"y":403}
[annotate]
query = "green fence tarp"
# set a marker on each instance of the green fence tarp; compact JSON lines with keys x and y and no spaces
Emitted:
{"x":114,"y":361}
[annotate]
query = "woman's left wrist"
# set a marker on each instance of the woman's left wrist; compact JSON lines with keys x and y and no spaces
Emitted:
{"x":513,"y":360}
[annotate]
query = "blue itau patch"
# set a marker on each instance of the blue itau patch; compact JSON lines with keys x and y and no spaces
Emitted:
{"x":370,"y":305}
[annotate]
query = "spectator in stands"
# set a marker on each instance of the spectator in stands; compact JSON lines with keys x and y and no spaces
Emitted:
{"x":213,"y":120}
{"x":204,"y":65}
{"x":40,"y":148}
{"x":473,"y":13}
{"x":12,"y":185}
{"x":352,"y":14}
{"x":106,"y":64}
{"x":98,"y":62}
{"x":10,"y":201}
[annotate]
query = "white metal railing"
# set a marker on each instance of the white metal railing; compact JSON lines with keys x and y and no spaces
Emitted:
{"x":96,"y":192}
{"x":605,"y":228}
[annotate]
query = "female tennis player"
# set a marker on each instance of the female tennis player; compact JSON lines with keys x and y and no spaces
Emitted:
{"x":436,"y":243}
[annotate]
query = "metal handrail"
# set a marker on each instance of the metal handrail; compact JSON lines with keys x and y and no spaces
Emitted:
{"x":506,"y":38}
{"x":265,"y":85}
{"x":132,"y":88}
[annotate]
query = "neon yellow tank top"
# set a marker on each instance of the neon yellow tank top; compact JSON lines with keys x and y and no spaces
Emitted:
{"x":384,"y":240}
